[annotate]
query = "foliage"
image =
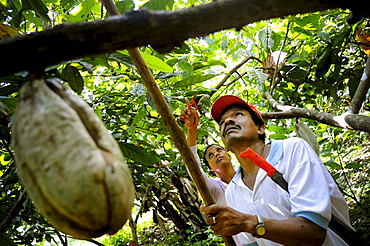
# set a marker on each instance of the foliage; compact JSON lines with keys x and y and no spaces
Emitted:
{"x":152,"y":234}
{"x":322,"y":70}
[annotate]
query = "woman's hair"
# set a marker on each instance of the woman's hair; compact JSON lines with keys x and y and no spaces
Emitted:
{"x":205,"y":157}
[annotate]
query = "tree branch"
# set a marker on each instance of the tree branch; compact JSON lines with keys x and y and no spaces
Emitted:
{"x":346,"y":120}
{"x":13,"y":212}
{"x":163,"y":30}
{"x":361,"y":91}
{"x":227,"y":76}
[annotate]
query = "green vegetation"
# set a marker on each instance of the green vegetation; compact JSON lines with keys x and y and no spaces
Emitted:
{"x":322,"y":69}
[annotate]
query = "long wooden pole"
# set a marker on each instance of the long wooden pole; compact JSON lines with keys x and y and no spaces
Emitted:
{"x":176,"y":132}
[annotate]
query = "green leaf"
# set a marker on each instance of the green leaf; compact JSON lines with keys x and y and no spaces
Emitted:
{"x":123,"y":58}
{"x":183,"y":49}
{"x":8,"y":104}
{"x":139,"y":155}
{"x":334,"y":165}
{"x":324,"y":56}
{"x":72,"y":75}
{"x":275,"y":128}
{"x":151,"y":102}
{"x":353,"y":83}
{"x":9,"y":89}
{"x":67,"y":4}
{"x":185,"y":65}
{"x":194,"y":79}
{"x":31,"y":17}
{"x":257,"y":75}
{"x":124,"y":6}
{"x":159,"y":4}
{"x":277,"y":136}
{"x":303,"y":131}
{"x":296,"y":73}
{"x":306,"y":20}
{"x":38,"y":7}
{"x":156,"y":64}
{"x":97,"y":111}
{"x":354,"y":165}
{"x":269,"y":39}
{"x":139,"y":116}
{"x":82,"y":11}
{"x":169,"y":75}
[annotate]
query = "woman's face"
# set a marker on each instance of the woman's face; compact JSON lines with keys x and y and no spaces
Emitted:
{"x":217,"y":157}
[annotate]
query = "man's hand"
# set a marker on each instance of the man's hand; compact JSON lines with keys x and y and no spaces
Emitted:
{"x":227,"y":221}
{"x":294,"y":231}
{"x":189,"y":116}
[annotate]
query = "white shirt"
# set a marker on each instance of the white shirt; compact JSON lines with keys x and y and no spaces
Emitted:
{"x":216,"y":186}
{"x":313,"y":194}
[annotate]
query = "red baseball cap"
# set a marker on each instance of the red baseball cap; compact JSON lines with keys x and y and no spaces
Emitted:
{"x":225,"y":102}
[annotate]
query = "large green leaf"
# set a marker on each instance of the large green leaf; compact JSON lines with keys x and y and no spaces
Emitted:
{"x":72,"y":75}
{"x":38,"y":7}
{"x":159,"y":4}
{"x":269,"y":39}
{"x":152,"y":62}
{"x":156,"y":64}
{"x":152,"y":104}
{"x":138,"y":154}
{"x":303,"y":131}
{"x":123,"y":58}
{"x":81,"y":12}
{"x":257,"y":75}
{"x":124,"y":6}
{"x":194,"y":79}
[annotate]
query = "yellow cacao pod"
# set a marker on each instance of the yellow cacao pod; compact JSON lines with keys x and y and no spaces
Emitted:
{"x":72,"y":168}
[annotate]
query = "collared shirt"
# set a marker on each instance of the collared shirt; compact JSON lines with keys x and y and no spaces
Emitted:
{"x":313,"y":194}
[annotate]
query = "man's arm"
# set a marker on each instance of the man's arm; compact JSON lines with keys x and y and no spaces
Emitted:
{"x":294,"y":231}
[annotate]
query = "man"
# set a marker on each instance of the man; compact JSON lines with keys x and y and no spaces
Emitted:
{"x":260,"y":211}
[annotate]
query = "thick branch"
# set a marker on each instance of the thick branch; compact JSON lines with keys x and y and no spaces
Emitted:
{"x":161,"y":29}
{"x":347,"y":120}
{"x":361,"y":91}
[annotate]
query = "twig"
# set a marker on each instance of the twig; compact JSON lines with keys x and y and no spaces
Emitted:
{"x":275,"y":79}
{"x":235,"y":69}
{"x":13,"y":212}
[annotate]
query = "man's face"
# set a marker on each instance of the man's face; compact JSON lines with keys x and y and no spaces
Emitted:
{"x":236,"y":125}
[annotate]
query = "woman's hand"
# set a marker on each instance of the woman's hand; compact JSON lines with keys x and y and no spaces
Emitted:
{"x":189,"y":116}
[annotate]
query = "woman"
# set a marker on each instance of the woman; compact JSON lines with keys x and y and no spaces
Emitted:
{"x":215,"y":157}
